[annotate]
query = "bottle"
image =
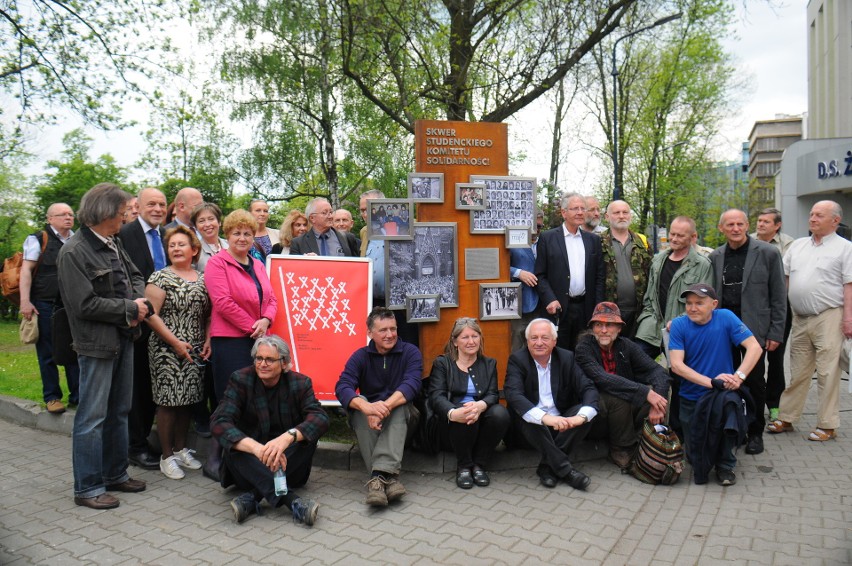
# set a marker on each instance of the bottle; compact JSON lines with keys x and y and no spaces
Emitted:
{"x":280,"y":480}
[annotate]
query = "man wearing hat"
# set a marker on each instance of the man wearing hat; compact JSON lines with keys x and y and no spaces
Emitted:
{"x":632,"y":386}
{"x":700,"y":355}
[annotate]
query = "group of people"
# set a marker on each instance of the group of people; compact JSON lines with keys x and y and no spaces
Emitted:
{"x":173,"y":320}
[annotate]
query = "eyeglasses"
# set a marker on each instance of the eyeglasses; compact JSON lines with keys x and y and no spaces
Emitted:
{"x":261,"y":361}
{"x":195,"y":353}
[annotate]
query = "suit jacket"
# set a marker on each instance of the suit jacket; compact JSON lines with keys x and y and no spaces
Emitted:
{"x":448,"y":385}
{"x":554,"y":275}
{"x":569,"y":384}
{"x":135,"y":242}
{"x":307,"y":243}
{"x":524,"y":259}
{"x":764,"y":292}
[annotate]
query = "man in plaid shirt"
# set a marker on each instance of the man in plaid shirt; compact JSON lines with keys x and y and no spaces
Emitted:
{"x":268,"y":419}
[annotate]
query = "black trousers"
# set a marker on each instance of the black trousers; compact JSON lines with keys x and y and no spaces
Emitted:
{"x":775,"y":381}
{"x":555,"y":447}
{"x":251,"y":475}
{"x":756,"y":383}
{"x":474,"y":444}
{"x":570,"y":325}
{"x":142,"y":408}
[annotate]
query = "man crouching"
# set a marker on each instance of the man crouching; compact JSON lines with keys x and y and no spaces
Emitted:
{"x":268,"y":419}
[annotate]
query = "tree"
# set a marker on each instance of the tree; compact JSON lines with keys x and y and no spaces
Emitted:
{"x":313,"y":135}
{"x":672,"y":92}
{"x":468,"y":59}
{"x":79,"y":55}
{"x":75,"y":174}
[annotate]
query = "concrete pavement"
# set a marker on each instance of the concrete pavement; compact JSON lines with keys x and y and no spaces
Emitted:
{"x":792,"y":505}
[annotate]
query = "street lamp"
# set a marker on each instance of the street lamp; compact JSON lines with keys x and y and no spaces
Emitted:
{"x":616,"y":190}
{"x":654,"y":186}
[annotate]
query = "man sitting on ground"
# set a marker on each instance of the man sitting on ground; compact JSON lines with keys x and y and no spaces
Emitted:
{"x":269,"y":418}
{"x":632,"y":386}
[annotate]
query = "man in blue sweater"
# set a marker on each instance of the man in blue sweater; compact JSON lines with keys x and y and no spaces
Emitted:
{"x":376,"y":388}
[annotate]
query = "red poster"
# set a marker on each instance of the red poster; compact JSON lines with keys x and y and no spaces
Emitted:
{"x":323,"y":303}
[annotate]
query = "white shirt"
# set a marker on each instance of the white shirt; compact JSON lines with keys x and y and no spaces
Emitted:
{"x":817,"y":273}
{"x":32,"y":245}
{"x":546,"y":404}
{"x":576,"y":261}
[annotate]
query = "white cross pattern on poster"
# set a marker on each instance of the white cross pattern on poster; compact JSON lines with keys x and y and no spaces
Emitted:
{"x":317,"y":304}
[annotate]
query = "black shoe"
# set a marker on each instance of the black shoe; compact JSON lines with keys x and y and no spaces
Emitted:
{"x":202,"y":429}
{"x":464,"y":479}
{"x":755,"y":444}
{"x":547,"y":478}
{"x":244,"y":506}
{"x":304,"y":511}
{"x":145,"y":460}
{"x":725,"y":477}
{"x":577,"y":479}
{"x":480,"y":477}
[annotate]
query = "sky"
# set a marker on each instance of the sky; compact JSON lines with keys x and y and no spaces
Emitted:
{"x":769,"y":46}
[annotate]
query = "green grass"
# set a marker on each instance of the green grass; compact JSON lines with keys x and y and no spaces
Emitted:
{"x":19,"y":375}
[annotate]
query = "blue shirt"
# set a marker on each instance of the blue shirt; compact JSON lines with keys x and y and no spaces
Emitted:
{"x":707,"y":347}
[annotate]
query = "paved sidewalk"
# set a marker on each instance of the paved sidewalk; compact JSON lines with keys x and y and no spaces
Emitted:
{"x":792,"y":505}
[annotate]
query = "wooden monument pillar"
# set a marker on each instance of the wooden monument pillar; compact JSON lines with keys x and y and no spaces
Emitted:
{"x":458,"y":150}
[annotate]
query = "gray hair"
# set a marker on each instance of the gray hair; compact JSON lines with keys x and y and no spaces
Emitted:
{"x":629,"y":208}
{"x":276,"y":342}
{"x":100,"y":203}
{"x":722,"y":216}
{"x":563,"y":202}
{"x":773,"y":211}
{"x":310,"y":208}
{"x":553,"y":329}
{"x":371,"y":194}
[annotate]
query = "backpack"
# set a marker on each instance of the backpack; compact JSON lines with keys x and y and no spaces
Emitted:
{"x":10,"y":278}
{"x":659,"y":458}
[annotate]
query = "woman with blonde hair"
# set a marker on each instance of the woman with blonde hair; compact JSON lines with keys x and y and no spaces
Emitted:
{"x":294,"y":225}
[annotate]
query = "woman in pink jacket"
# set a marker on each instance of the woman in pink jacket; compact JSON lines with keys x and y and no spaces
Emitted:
{"x":243,"y":305}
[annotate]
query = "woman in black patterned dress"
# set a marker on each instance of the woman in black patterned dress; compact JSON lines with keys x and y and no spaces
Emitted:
{"x":178,"y":347}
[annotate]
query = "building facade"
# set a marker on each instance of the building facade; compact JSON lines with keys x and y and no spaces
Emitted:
{"x":829,"y":69}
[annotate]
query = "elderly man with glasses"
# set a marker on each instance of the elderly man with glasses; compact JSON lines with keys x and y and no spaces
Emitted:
{"x":269,"y":419}
{"x":322,"y":239}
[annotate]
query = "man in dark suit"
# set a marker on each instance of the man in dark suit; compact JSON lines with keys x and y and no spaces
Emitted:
{"x":750,"y":275}
{"x":322,"y":238}
{"x":570,"y":271}
{"x":552,"y":401}
{"x":522,"y":268}
{"x":143,"y":241}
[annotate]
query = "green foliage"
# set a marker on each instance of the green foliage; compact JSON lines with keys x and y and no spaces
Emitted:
{"x":72,"y":177}
{"x":16,"y":207}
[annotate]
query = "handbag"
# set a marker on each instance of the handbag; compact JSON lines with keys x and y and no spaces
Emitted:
{"x":63,"y":352}
{"x":29,"y":330}
{"x":659,"y":457}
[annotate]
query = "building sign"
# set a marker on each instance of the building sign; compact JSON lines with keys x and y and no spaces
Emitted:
{"x":831,"y":169}
{"x":447,"y":146}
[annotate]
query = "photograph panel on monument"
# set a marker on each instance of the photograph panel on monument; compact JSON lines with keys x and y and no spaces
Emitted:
{"x":389,"y":219}
{"x":499,"y":301}
{"x":509,"y":201}
{"x":423,"y":308}
{"x":470,"y":196}
{"x":426,"y":187}
{"x":518,"y":237}
{"x":425,"y":265}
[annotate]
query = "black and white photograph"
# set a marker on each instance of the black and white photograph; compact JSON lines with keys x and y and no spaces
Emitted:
{"x":509,"y":201}
{"x":426,"y":187}
{"x":424,"y":265}
{"x":518,"y":237}
{"x":389,"y":219}
{"x":423,"y":308}
{"x":499,"y":301}
{"x":470,"y":196}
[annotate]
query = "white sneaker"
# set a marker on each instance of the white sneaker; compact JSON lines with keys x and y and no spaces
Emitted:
{"x":171,"y":468}
{"x":185,"y":459}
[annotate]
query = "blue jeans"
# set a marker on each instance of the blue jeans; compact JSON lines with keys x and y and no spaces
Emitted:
{"x":99,"y":440}
{"x":726,"y":459}
{"x":44,"y":350}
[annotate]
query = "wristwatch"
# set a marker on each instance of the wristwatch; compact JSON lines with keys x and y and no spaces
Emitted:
{"x":740,"y":374}
{"x":584,"y":417}
{"x":293,"y":432}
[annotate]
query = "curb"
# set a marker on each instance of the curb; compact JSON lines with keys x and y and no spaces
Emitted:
{"x":329,"y":455}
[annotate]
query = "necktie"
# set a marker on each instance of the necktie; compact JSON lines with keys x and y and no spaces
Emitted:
{"x":323,"y":244}
{"x":157,"y":249}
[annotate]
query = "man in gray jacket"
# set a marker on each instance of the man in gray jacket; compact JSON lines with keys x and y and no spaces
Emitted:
{"x":103,"y":293}
{"x":750,"y":278}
